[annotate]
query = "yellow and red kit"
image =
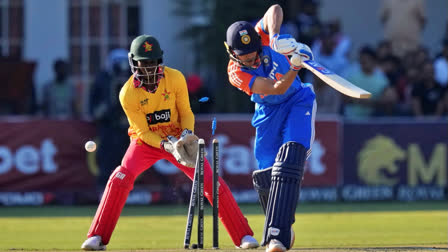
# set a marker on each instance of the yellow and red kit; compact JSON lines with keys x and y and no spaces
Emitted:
{"x":154,"y":116}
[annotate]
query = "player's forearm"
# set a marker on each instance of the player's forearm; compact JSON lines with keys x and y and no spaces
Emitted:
{"x":285,"y":82}
{"x":274,"y":19}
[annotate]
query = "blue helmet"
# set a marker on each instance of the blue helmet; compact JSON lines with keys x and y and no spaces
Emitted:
{"x":241,"y":39}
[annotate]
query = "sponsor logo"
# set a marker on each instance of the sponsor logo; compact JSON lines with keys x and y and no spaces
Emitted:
{"x":158,"y":117}
{"x":319,"y":67}
{"x":144,"y":102}
{"x":120,"y":175}
{"x":147,"y":46}
{"x":272,"y":73}
{"x":274,"y":231}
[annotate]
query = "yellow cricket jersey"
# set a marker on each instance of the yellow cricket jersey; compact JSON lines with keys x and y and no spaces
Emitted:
{"x":154,"y":116}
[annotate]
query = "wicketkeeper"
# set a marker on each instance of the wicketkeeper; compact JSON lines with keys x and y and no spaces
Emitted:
{"x":284,"y":116}
{"x":155,"y":100}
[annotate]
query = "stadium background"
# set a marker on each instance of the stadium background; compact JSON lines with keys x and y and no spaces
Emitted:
{"x":380,"y":158}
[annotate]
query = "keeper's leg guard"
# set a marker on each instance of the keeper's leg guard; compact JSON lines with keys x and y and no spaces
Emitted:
{"x":262,"y":183}
{"x":287,"y":174}
{"x":114,"y":197}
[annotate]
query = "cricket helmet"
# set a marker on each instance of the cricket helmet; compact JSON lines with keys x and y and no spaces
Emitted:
{"x":146,"y":48}
{"x":241,"y":39}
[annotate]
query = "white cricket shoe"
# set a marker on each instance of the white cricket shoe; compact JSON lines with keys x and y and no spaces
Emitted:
{"x":275,"y":245}
{"x":248,"y":242}
{"x":93,"y":243}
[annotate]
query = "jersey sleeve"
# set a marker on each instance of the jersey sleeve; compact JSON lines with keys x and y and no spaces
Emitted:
{"x":137,"y":120}
{"x":239,"y":79}
{"x":183,"y":103}
{"x":263,"y":34}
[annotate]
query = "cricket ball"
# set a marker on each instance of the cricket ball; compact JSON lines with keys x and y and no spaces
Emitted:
{"x":90,"y":146}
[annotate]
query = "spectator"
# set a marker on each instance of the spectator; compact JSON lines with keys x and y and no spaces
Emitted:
{"x":404,"y":89}
{"x":441,"y":66}
{"x":342,"y":41}
{"x":427,"y":95}
{"x":108,"y":115}
{"x":384,"y":50}
{"x":403,"y":22}
{"x":60,"y":96}
{"x":391,"y":68}
{"x":329,"y":100}
{"x":308,"y":23}
{"x":327,"y":53}
{"x":367,"y":75}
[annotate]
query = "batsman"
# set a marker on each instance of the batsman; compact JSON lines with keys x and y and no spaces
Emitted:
{"x":264,"y":65}
{"x":156,"y":103}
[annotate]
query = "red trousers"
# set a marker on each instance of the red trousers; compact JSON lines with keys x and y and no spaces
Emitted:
{"x":138,"y":158}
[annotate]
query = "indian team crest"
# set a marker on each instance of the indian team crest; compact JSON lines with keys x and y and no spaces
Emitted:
{"x":265,"y":59}
{"x":245,"y":39}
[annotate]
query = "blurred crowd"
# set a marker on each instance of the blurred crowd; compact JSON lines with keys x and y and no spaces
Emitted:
{"x":403,"y":77}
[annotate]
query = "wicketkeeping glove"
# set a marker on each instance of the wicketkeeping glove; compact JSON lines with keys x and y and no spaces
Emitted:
{"x":184,"y":149}
{"x":284,"y":44}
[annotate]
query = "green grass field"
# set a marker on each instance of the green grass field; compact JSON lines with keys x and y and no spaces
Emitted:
{"x":319,"y":227}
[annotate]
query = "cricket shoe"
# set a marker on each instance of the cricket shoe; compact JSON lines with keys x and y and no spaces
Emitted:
{"x":93,"y":243}
{"x":248,"y":242}
{"x":275,"y":245}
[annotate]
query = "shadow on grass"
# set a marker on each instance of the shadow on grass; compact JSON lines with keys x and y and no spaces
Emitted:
{"x":248,"y":209}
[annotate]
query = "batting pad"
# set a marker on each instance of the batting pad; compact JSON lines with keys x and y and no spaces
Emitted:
{"x":287,"y":173}
{"x":114,"y":197}
{"x":262,"y":183}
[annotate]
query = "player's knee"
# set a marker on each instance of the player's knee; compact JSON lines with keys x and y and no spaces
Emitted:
{"x":122,"y":177}
{"x":262,"y":184}
{"x":290,"y":160}
{"x":262,"y":179}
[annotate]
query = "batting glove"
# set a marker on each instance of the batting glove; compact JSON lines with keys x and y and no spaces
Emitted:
{"x":296,"y":62}
{"x":284,"y":44}
{"x":304,"y":51}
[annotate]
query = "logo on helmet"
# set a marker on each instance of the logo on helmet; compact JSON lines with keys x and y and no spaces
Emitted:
{"x":147,"y":46}
{"x":245,"y":39}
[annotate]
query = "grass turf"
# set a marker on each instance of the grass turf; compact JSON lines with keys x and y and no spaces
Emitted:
{"x":336,"y":227}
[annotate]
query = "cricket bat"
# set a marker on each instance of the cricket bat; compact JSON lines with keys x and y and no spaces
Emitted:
{"x":335,"y":81}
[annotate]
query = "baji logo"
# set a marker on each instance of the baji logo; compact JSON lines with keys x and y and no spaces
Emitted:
{"x":158,"y":117}
{"x":377,"y":163}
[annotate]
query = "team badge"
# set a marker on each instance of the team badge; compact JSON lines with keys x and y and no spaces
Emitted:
{"x":265,"y":59}
{"x":245,"y":39}
{"x":166,"y":95}
{"x":147,"y":46}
